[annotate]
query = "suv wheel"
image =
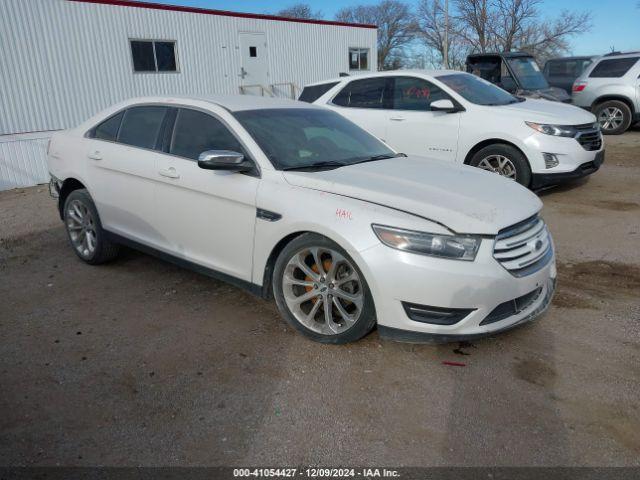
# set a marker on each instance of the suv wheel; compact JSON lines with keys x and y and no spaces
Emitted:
{"x":321,"y":292}
{"x":85,"y":231}
{"x":614,"y":117}
{"x":504,"y":160}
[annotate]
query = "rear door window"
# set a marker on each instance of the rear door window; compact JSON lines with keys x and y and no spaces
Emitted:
{"x":108,"y":130}
{"x":366,"y":93}
{"x":415,"y":94}
{"x":314,"y":92}
{"x":613,"y":68}
{"x":196,"y":132}
{"x":141,"y":126}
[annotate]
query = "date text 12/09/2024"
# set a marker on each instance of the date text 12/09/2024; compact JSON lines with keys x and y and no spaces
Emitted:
{"x":316,"y":472}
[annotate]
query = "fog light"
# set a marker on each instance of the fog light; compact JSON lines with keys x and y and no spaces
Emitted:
{"x":435,"y":315}
{"x":550,"y":160}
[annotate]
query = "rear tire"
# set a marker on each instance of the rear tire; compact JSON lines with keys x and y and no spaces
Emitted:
{"x":321,"y":292}
{"x":613,"y":116}
{"x":84,"y":229}
{"x":505,"y":160}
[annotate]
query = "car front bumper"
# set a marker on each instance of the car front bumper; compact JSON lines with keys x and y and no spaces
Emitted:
{"x":396,"y":278}
{"x":541,"y":180}
{"x":573,"y":159}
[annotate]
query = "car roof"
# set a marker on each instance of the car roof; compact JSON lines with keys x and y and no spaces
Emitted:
{"x":576,"y":57}
{"x":609,"y":56}
{"x":232,"y":103}
{"x":500,"y":54}
{"x":387,"y":73}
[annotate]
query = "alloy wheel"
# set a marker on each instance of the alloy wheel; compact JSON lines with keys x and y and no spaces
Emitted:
{"x":82,"y":228}
{"x":498,"y":164}
{"x":323,"y":290}
{"x":611,"y":118}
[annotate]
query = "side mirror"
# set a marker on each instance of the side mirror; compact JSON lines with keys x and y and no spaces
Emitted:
{"x":444,"y":105}
{"x":224,"y":160}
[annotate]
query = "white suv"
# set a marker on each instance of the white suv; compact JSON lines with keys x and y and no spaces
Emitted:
{"x":461,"y":118}
{"x":291,"y":200}
{"x":610,"y":88}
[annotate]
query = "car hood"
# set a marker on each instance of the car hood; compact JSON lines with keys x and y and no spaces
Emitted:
{"x":462,"y":198}
{"x":544,"y":111}
{"x":550,"y":93}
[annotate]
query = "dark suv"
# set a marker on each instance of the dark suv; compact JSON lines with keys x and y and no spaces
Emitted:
{"x":515,"y":72}
{"x":562,"y":72}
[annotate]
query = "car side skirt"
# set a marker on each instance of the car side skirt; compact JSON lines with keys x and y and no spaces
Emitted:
{"x":253,"y":288}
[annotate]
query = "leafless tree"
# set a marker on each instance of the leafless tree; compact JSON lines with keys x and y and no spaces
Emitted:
{"x":300,"y":10}
{"x":507,"y":25}
{"x":430,"y":31}
{"x":396,"y":28}
{"x":475,"y":18}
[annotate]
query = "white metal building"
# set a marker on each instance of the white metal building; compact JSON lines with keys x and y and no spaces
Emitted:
{"x":62,"y":61}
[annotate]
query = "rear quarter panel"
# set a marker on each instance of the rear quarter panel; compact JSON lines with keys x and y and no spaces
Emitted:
{"x":66,"y":156}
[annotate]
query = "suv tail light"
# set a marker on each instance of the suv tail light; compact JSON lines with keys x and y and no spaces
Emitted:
{"x":578,"y":86}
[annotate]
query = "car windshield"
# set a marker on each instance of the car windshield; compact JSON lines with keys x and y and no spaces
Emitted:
{"x":528,"y":73}
{"x":477,"y":90}
{"x":310,"y":138}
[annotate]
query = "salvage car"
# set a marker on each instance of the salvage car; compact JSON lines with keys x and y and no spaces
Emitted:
{"x":517,"y":73}
{"x":294,"y":201}
{"x":461,"y":118}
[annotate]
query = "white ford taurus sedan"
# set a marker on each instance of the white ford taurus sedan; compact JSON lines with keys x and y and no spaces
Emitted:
{"x":293,"y":200}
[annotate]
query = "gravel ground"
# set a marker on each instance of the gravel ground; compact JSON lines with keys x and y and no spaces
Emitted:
{"x":142,"y":363}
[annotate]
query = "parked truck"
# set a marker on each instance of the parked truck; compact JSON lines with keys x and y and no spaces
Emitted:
{"x":517,"y":73}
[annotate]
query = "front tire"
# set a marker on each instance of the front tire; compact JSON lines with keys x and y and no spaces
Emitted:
{"x":613,"y":116}
{"x":321,"y":292}
{"x":84,"y":229}
{"x":505,"y":160}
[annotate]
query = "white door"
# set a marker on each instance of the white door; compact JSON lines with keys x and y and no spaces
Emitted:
{"x":255,"y":59}
{"x":122,"y":168}
{"x":364,"y":102}
{"x":207,"y":216}
{"x":413,"y":128}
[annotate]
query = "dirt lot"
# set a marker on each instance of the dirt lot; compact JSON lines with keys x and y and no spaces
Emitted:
{"x":142,"y":363}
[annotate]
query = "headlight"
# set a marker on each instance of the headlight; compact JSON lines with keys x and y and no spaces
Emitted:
{"x":555,"y":130}
{"x":457,"y":247}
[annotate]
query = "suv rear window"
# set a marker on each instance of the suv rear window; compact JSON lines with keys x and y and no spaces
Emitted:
{"x":314,"y":92}
{"x":366,"y":93}
{"x":613,"y":68}
{"x":566,"y":68}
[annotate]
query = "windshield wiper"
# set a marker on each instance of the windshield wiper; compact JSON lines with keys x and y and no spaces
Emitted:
{"x":384,"y":156}
{"x":330,"y":164}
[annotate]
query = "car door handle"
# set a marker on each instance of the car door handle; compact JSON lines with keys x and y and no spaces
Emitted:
{"x":95,"y":155}
{"x":169,"y":173}
{"x":397,"y":119}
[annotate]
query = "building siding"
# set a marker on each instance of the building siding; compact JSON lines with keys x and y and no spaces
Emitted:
{"x":64,"y":61}
{"x":23,"y":161}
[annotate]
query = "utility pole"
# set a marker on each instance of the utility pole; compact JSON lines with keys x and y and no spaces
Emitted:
{"x":445,"y":49}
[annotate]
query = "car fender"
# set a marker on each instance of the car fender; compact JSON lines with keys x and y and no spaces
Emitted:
{"x":347,"y":221}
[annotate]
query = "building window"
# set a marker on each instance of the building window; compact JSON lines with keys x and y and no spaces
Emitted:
{"x":358,"y":59}
{"x":153,"y":56}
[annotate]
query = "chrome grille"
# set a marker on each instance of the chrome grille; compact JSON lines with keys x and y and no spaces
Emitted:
{"x":524,"y":248}
{"x":589,"y":136}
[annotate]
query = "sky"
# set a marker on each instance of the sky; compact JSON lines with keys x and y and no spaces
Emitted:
{"x":616,"y":23}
